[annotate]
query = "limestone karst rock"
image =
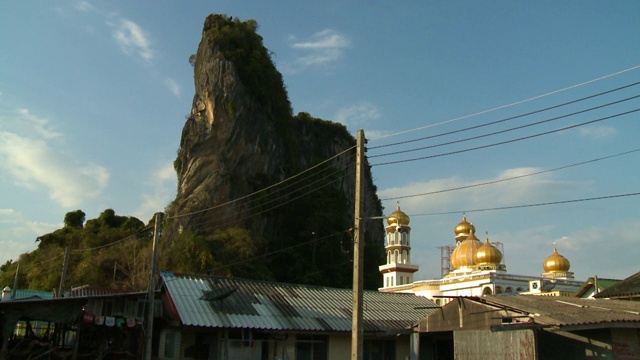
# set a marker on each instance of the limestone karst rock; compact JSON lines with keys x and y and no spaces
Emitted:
{"x":241,"y":137}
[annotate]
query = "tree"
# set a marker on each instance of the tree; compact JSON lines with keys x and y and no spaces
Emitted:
{"x":74,"y":219}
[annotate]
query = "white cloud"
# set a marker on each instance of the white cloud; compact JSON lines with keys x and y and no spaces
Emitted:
{"x":598,"y":132}
{"x":15,"y":228}
{"x":525,"y":190}
{"x":28,"y":157}
{"x":162,"y":186}
{"x":132,"y":39}
{"x":323,"y":47}
{"x":84,"y":6}
{"x":173,"y":86}
{"x":358,"y":114}
{"x":40,"y":125}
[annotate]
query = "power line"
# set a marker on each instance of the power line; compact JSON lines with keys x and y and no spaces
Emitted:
{"x":247,"y":213}
{"x":512,"y":178}
{"x":509,"y":105}
{"x":115,"y":242}
{"x":508,"y":141}
{"x":509,"y":129}
{"x":529,"y":205}
{"x":505,"y":119}
{"x":264,"y":189}
{"x":276,"y":251}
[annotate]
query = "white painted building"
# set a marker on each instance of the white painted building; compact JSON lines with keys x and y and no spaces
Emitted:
{"x":476,"y":268}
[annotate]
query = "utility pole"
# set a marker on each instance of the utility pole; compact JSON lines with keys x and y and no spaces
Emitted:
{"x":15,"y":282}
{"x":152,"y":287}
{"x":358,"y":255}
{"x":65,"y":265}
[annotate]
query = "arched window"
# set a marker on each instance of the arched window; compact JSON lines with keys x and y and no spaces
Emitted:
{"x":404,"y":256}
{"x":509,"y":289}
{"x":499,"y":290}
{"x":486,"y":291}
{"x":397,"y":256}
{"x":519,"y":289}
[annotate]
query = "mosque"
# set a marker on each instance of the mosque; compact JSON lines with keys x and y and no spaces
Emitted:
{"x":474,"y":268}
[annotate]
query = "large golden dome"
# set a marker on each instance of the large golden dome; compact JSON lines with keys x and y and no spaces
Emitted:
{"x":464,"y":227}
{"x":487,"y":254}
{"x":556,"y":263}
{"x":398,"y":217}
{"x":464,"y":253}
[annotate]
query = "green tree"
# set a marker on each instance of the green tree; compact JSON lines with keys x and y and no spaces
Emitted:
{"x":74,"y":219}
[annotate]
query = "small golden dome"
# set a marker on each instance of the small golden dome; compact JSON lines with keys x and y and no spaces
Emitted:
{"x":556,"y":263}
{"x":464,"y":227}
{"x":487,"y":254}
{"x":398,"y":217}
{"x":464,"y":253}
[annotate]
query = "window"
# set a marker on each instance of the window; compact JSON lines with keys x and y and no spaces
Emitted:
{"x":311,"y":347}
{"x":378,"y":349}
{"x":169,"y":344}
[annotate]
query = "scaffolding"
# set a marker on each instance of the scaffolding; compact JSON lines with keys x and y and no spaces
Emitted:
{"x":445,"y":259}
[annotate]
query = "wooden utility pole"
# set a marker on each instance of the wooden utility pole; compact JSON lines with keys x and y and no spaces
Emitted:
{"x":152,"y":287}
{"x":65,"y":266}
{"x":358,"y":255}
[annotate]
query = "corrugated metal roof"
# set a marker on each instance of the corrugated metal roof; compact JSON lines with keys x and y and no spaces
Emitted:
{"x":566,"y":311}
{"x":627,"y":287}
{"x":213,"y":301}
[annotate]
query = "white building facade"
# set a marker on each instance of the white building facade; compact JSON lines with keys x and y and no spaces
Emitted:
{"x":476,"y":268}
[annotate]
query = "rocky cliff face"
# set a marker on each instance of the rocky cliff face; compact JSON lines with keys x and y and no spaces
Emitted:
{"x":241,"y":141}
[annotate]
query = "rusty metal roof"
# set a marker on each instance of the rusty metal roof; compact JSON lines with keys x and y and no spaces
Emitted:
{"x":212,"y":301}
{"x":569,"y":311}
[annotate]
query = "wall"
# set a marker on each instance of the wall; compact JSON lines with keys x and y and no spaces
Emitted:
{"x":582,"y":344}
{"x":626,"y":343}
{"x":484,"y":344}
{"x":339,"y":347}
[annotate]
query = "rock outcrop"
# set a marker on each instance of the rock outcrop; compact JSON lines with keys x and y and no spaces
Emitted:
{"x":239,"y":146}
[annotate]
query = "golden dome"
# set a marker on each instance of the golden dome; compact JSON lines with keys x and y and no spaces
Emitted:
{"x":464,"y":253}
{"x":464,"y":227}
{"x":487,"y":254}
{"x":556,"y":263}
{"x":398,"y":217}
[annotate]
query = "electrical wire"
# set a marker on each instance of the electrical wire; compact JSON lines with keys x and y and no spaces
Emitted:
{"x":247,"y":213}
{"x":510,"y":129}
{"x":115,"y":242}
{"x":529,"y":205}
{"x":512,"y":178}
{"x":510,"y":105}
{"x":261,"y":190}
{"x":508,"y":141}
{"x":505,"y":119}
{"x":230,"y":219}
{"x":275,"y":252}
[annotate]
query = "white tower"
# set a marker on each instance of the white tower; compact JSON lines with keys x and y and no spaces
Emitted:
{"x":398,"y":270}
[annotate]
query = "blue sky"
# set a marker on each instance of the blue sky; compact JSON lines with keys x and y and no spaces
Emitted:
{"x":93,"y":97}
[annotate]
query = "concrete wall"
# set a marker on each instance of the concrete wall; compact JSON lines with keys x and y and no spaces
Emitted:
{"x":339,"y":347}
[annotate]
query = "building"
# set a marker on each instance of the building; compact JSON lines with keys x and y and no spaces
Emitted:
{"x":531,"y":327}
{"x":231,"y":318}
{"x":593,"y":286}
{"x":627,"y":289}
{"x":472,"y":267}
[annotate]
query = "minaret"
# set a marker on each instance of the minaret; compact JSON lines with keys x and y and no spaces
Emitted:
{"x":398,"y":270}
